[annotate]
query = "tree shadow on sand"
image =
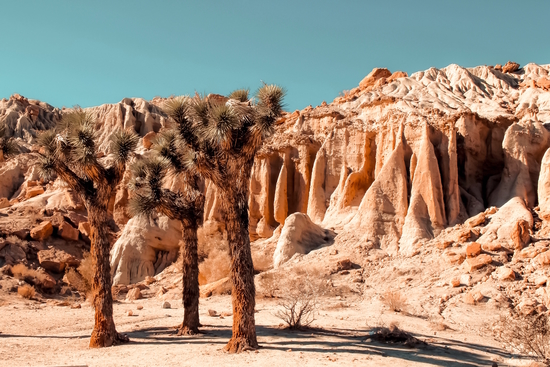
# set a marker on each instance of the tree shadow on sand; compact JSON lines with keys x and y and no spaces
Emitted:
{"x":438,"y":351}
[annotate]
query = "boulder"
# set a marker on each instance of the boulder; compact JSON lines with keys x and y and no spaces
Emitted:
{"x":4,"y":203}
{"x":56,"y":260}
{"x":473,"y":249}
{"x":219,"y":287}
{"x":84,"y":228}
{"x":509,"y":226}
{"x":455,"y":282}
{"x":476,"y":220}
{"x":42,"y":231}
{"x":148,"y":139}
{"x":491,"y":246}
{"x":34,"y":191}
{"x":299,"y":235}
{"x":12,"y":253}
{"x":133,"y":294}
{"x":510,"y":67}
{"x":505,"y":273}
{"x":542,"y":259}
{"x":466,"y":279}
{"x":344,"y":264}
{"x":68,"y":232}
{"x":454,"y":258}
{"x":137,"y":250}
{"x":22,"y":234}
{"x":473,"y":263}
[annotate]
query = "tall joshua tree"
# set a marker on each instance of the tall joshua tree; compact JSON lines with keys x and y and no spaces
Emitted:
{"x":147,"y":181}
{"x":70,"y":154}
{"x":217,"y":139}
{"x":8,"y":148}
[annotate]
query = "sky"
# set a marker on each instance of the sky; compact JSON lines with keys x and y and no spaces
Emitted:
{"x":94,"y":52}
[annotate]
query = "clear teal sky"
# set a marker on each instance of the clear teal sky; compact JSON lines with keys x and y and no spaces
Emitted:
{"x":94,"y":52}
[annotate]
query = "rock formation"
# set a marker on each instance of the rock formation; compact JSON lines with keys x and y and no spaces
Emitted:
{"x":393,"y":165}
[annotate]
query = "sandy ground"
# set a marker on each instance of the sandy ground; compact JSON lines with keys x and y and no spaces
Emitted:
{"x":42,"y":334}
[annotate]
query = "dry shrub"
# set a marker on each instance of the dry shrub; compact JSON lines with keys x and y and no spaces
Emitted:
{"x":82,"y":278}
{"x":86,"y":269}
{"x":528,"y":335}
{"x":438,"y":326}
{"x":299,"y":298}
{"x":15,"y":240}
{"x":395,"y":301}
{"x":20,"y":271}
{"x":76,"y":280}
{"x":393,"y":334}
{"x":26,"y":291}
{"x":214,"y":249}
{"x":268,"y":285}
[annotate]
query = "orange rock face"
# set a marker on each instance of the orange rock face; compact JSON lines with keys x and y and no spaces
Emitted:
{"x":42,"y":231}
{"x":473,"y":249}
{"x":510,"y":67}
{"x":374,"y":75}
{"x":68,"y":232}
{"x":473,"y":263}
{"x":34,"y":191}
{"x":148,"y":139}
{"x":56,"y":260}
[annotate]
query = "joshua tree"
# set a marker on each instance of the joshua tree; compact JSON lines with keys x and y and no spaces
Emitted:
{"x":8,"y":148}
{"x":187,"y":207}
{"x":217,"y":138}
{"x":70,"y":154}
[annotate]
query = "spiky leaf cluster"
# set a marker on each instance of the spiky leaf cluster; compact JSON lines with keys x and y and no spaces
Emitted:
{"x":149,"y":196}
{"x":71,"y":152}
{"x":211,"y":130}
{"x":8,"y":147}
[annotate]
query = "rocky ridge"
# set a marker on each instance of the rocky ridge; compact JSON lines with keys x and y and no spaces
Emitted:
{"x":402,"y":169}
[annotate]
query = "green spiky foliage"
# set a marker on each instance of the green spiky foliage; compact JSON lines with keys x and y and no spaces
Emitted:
{"x":8,"y":148}
{"x":216,"y":138}
{"x":70,"y":154}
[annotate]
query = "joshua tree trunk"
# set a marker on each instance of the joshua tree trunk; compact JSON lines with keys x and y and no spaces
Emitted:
{"x":190,"y":279}
{"x":241,"y":272}
{"x":104,"y":333}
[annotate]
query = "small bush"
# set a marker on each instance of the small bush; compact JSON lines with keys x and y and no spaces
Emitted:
{"x":76,"y":280}
{"x":26,"y":291}
{"x":528,"y":335}
{"x":268,"y":284}
{"x":299,"y":299}
{"x":393,"y":334}
{"x":86,"y":269}
{"x":395,"y":301}
{"x":215,"y":266}
{"x":214,"y":249}
{"x":20,"y":271}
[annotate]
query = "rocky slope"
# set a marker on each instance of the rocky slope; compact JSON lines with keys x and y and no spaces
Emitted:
{"x":435,"y":164}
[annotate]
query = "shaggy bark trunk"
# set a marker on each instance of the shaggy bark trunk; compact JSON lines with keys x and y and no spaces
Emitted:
{"x":104,"y":333}
{"x":241,"y":273}
{"x":190,"y":279}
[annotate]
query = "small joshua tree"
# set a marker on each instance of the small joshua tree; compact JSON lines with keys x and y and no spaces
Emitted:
{"x":8,"y":148}
{"x":217,"y":139}
{"x":148,"y":176}
{"x":70,"y":153}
